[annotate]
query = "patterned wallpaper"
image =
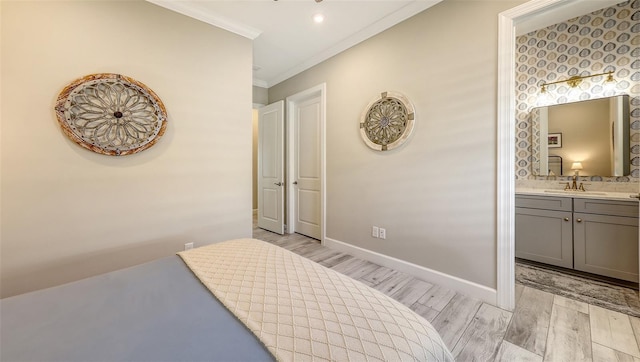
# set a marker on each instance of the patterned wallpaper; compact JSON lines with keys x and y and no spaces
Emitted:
{"x":605,"y":40}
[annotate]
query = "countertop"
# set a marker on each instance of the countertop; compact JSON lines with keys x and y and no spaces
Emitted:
{"x":605,"y":195}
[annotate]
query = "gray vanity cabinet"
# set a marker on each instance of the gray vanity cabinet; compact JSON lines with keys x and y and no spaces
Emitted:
{"x":544,"y":230}
{"x":606,"y":238}
{"x":593,"y":235}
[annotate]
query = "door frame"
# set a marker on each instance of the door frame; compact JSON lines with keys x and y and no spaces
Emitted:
{"x":506,"y":141}
{"x":291,"y":105}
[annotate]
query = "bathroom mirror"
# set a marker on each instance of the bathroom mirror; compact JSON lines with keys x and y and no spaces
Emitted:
{"x":594,"y":132}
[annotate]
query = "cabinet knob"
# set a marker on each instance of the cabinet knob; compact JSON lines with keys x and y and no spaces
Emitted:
{"x":579,"y":220}
{"x":566,"y":219}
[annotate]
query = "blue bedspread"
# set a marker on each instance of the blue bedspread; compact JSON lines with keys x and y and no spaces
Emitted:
{"x":156,"y":311}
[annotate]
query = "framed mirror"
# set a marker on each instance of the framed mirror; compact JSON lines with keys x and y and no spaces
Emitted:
{"x":594,"y":132}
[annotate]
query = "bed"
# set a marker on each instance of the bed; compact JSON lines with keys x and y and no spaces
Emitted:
{"x":239,"y":300}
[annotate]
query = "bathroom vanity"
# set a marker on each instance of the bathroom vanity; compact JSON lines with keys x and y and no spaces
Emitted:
{"x":590,"y":232}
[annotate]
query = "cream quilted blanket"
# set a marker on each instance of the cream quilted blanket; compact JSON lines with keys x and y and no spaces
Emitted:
{"x":303,"y":311}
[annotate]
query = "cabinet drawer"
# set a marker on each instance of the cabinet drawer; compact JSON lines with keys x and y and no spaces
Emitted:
{"x":544,"y":202}
{"x":606,"y":207}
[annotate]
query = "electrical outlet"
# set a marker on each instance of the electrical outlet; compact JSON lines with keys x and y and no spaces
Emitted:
{"x":374,"y":231}
{"x":188,"y":246}
{"x":383,"y":233}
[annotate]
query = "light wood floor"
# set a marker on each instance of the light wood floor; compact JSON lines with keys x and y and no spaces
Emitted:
{"x":543,"y":327}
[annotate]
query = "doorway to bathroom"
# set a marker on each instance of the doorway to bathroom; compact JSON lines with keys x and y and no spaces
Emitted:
{"x":509,"y":151}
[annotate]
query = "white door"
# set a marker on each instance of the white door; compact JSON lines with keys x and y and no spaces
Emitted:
{"x":306,"y":178}
{"x":271,"y":167}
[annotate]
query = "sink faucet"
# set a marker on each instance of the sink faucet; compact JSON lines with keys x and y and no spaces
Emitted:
{"x":574,"y":186}
{"x":576,"y":166}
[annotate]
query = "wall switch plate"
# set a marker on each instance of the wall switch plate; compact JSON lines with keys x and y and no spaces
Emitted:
{"x":374,"y":231}
{"x":383,"y":233}
{"x":188,"y":246}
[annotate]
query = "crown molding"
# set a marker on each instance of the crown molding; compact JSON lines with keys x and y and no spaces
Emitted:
{"x":379,"y":26}
{"x":562,"y":11}
{"x":260,"y":83}
{"x":191,"y":10}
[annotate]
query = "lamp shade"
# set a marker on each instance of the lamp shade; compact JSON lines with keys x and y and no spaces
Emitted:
{"x":576,"y":166}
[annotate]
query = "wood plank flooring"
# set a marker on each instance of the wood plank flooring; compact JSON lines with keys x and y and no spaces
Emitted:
{"x":543,"y":326}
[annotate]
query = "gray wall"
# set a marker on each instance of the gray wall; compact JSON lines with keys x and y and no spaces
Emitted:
{"x":436,"y":194}
{"x":260,"y":95}
{"x":68,"y":213}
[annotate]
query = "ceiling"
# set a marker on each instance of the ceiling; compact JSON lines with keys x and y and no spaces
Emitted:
{"x":286,"y":41}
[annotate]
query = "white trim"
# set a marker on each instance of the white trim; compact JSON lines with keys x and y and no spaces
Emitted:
{"x":466,"y":287}
{"x":192,"y":10}
{"x":561,"y":12}
{"x":379,"y":26}
{"x":260,"y":83}
{"x":291,"y":101}
{"x":505,"y":269}
{"x":507,"y":20}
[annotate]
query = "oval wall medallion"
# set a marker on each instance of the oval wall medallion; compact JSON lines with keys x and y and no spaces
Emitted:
{"x":387,"y":121}
{"x":111,"y":114}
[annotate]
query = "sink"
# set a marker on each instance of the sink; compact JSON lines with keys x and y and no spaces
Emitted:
{"x":574,"y":192}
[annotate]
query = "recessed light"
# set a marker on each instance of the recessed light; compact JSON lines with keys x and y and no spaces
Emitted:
{"x":318,"y":18}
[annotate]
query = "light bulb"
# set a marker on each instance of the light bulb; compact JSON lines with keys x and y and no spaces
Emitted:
{"x":573,"y":94}
{"x":609,"y":85}
{"x":318,"y":18}
{"x":544,"y":99}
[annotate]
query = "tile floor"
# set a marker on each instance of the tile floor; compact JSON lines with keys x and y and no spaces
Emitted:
{"x":543,"y":326}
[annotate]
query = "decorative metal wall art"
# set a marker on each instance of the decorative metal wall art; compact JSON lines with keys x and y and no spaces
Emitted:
{"x":387,"y":121}
{"x":111,"y":114}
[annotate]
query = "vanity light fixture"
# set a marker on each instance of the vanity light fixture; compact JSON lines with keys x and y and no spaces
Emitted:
{"x":544,"y":98}
{"x":576,"y":80}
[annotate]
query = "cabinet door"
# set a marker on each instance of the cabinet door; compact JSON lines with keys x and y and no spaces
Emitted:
{"x":544,"y":236}
{"x":606,"y":245}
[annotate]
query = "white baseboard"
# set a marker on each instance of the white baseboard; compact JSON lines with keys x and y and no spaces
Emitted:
{"x":466,"y":287}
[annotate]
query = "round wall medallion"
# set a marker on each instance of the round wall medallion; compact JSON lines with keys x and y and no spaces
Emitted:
{"x":387,"y":121}
{"x":111,"y":114}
